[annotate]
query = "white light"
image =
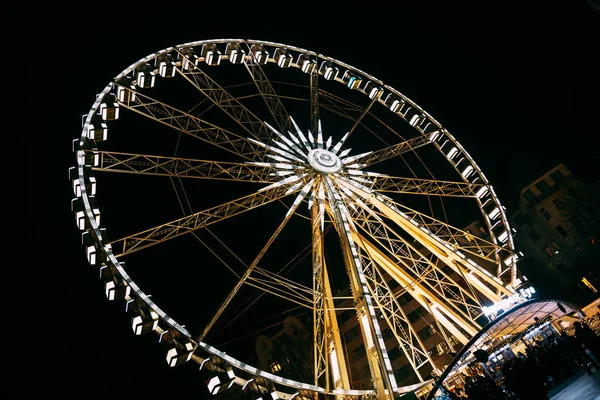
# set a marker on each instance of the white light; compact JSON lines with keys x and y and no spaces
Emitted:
{"x":367,"y":329}
{"x":453,"y":151}
{"x":335,"y":370}
{"x":495,"y":212}
{"x":503,"y":237}
{"x":467,"y":171}
{"x":395,"y":105}
{"x":482,"y":191}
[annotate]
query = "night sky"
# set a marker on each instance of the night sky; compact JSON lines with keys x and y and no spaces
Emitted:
{"x":517,"y":87}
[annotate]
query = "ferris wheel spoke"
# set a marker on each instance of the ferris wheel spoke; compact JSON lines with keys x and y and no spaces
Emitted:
{"x":189,"y":124}
{"x":267,"y":92}
{"x":452,"y":320}
{"x":378,"y":358}
{"x":198,"y":220}
{"x":421,"y":268}
{"x":406,"y":335}
{"x":141,"y":164}
{"x":282,"y":287}
{"x":394,"y":184}
{"x":485,"y":282}
{"x":244,"y":278}
{"x":314,"y":100}
{"x":226,"y":102}
{"x":399,"y":148}
{"x":328,"y":351}
{"x":459,"y":239}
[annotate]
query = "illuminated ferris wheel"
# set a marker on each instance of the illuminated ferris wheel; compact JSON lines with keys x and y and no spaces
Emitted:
{"x":205,"y":171}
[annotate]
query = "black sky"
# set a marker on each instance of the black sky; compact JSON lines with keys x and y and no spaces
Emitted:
{"x":516,"y":85}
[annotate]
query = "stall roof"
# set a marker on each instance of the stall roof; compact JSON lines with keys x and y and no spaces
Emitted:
{"x":510,"y":323}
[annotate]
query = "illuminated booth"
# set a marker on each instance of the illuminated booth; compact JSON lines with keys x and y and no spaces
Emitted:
{"x":513,"y":327}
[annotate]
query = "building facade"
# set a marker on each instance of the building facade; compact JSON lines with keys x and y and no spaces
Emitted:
{"x":552,"y":251}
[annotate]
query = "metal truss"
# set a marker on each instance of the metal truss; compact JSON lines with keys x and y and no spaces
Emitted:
{"x":267,"y":92}
{"x":226,"y":102}
{"x":396,"y":149}
{"x":191,"y":125}
{"x":201,"y":219}
{"x":384,"y":183}
{"x":459,"y":239}
{"x":129,"y":163}
{"x":421,"y":269}
{"x":410,"y":343}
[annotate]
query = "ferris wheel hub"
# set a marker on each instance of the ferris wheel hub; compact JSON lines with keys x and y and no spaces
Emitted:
{"x":324,"y":161}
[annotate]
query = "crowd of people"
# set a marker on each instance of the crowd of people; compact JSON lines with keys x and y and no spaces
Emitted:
{"x":530,"y":376}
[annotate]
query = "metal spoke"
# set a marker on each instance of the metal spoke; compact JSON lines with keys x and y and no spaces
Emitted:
{"x":394,"y":184}
{"x":141,"y":164}
{"x":191,"y":125}
{"x":440,"y":249}
{"x":267,"y":92}
{"x":406,"y":335}
{"x":459,"y":239}
{"x":420,"y":267}
{"x":226,"y":102}
{"x":198,"y":220}
{"x":394,"y":150}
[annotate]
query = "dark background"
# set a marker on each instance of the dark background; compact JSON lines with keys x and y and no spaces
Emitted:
{"x":516,"y":84}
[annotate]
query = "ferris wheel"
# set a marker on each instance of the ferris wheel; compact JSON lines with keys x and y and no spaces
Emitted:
{"x":213,"y":175}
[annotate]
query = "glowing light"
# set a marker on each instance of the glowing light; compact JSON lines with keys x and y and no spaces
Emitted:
{"x":509,"y":302}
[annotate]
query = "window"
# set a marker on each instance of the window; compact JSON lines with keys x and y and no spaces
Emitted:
{"x":531,"y":263}
{"x":543,"y":186}
{"x":551,"y":249}
{"x":519,"y":219}
{"x":561,"y":231}
{"x":441,"y":348}
{"x":394,"y":353}
{"x":346,"y":315}
{"x":558,"y":204}
{"x":544,"y":213}
{"x":360,"y":351}
{"x":557,"y":176}
{"x":275,"y":367}
{"x":414,"y":316}
{"x":529,"y":196}
{"x":534,"y":235}
{"x":403,"y":372}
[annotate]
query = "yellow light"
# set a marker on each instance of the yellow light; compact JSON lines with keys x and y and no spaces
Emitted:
{"x":588,"y":284}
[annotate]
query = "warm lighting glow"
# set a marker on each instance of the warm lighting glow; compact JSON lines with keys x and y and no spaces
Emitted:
{"x":588,"y":284}
{"x":275,"y":367}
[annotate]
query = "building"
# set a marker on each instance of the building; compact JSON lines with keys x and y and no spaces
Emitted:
{"x":551,"y":248}
{"x":287,"y":353}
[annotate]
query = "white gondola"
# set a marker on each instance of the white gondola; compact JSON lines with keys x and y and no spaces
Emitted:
{"x":306,"y":63}
{"x":283,"y":58}
{"x":235,"y":53}
{"x":260,"y":55}
{"x":211,"y":54}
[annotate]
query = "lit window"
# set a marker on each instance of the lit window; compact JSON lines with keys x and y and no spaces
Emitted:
{"x":275,"y":367}
{"x":551,"y":249}
{"x":441,"y":348}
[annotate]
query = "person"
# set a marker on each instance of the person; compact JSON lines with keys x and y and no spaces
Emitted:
{"x":586,"y":337}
